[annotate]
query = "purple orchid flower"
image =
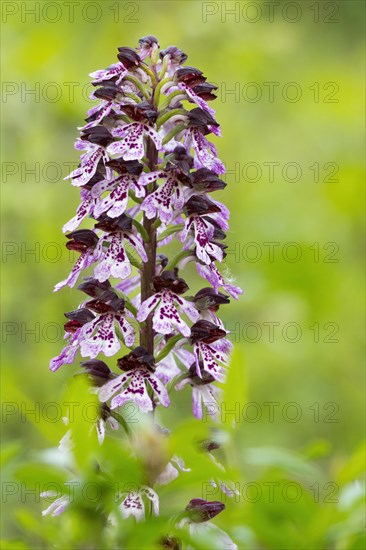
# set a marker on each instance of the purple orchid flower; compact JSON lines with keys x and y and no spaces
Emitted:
{"x":166,"y":200}
{"x":117,"y":69}
{"x":204,"y":392}
{"x":133,"y":504}
{"x":132,"y":385}
{"x":88,"y":163}
{"x":111,"y":249}
{"x":83,"y":241}
{"x":147,"y":175}
{"x":166,"y":303}
{"x":131,"y":144}
{"x":85,"y":208}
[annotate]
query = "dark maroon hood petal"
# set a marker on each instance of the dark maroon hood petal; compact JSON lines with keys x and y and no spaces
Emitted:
{"x":97,"y":371}
{"x":81,"y":240}
{"x":198,"y":118}
{"x":94,"y":288}
{"x":121,"y":166}
{"x":169,"y":280}
{"x":207,"y":298}
{"x":98,"y":135}
{"x":128,"y":57}
{"x":199,"y":205}
{"x":122,"y":223}
{"x":207,"y":181}
{"x":190,"y":76}
{"x":139,"y":357}
{"x":206,"y":332}
{"x":77,"y":319}
{"x":204,"y":379}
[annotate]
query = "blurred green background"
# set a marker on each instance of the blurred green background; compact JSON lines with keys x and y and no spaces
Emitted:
{"x":291,"y":106}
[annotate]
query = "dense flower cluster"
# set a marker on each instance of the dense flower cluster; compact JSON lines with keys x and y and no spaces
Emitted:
{"x":147,"y":173}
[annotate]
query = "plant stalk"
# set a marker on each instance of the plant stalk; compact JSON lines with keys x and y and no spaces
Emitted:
{"x":148,"y":271}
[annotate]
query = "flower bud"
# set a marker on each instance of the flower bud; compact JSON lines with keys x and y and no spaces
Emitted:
{"x":200,"y":510}
{"x":128,"y":57}
{"x":176,"y":55}
{"x":148,"y":41}
{"x":170,"y":543}
{"x":209,"y":445}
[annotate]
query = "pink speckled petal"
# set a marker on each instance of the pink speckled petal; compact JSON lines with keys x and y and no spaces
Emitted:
{"x":111,"y":387}
{"x":148,"y":306}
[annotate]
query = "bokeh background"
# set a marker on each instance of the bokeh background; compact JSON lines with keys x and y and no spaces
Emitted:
{"x":290,"y":103}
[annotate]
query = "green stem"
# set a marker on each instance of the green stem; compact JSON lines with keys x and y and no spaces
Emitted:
{"x":171,"y":96}
{"x":121,"y":421}
{"x":169,"y":346}
{"x":133,"y":261}
{"x":132,"y":196}
{"x":170,"y":231}
{"x":164,"y":67}
{"x":184,"y":254}
{"x":162,"y":118}
{"x":146,"y":69}
{"x":173,"y":132}
{"x":159,"y":87}
{"x":140,"y":228}
{"x":157,"y":223}
{"x":138,"y":84}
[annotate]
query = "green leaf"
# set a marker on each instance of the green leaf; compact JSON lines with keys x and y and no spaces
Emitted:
{"x":82,"y":410}
{"x":8,"y":452}
{"x":289,"y":462}
{"x":43,"y":474}
{"x":170,"y":231}
{"x":355,"y":467}
{"x":169,"y":346}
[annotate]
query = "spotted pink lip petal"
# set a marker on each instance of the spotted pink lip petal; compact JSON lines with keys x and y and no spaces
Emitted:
{"x":205,"y":152}
{"x":84,"y":209}
{"x":148,"y":306}
{"x":198,"y":100}
{"x":116,"y":69}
